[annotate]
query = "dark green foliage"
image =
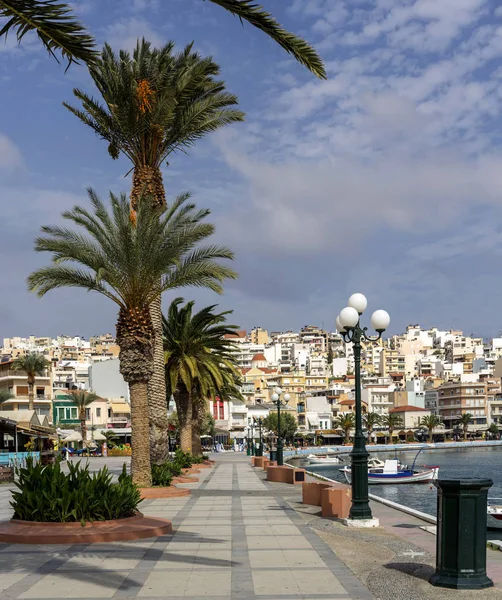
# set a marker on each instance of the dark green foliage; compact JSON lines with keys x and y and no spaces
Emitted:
{"x":55,"y":25}
{"x":162,"y":474}
{"x":288,"y":424}
{"x":183,"y":459}
{"x":47,"y":494}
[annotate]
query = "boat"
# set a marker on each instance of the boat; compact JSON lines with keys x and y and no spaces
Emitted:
{"x":391,"y":473}
{"x":324,"y":459}
{"x":494,"y":515}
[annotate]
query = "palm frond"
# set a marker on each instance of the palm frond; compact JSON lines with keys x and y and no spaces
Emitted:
{"x":256,"y":15}
{"x":55,"y":25}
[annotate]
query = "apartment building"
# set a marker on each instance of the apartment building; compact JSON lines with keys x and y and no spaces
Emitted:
{"x":379,"y":397}
{"x":16,"y":383}
{"x":455,"y":399}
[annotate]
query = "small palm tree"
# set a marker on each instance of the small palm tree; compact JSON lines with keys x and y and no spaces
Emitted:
{"x":371,"y":420}
{"x":132,"y":264}
{"x":346,"y":422}
{"x":392,"y":421}
{"x":198,"y":359}
{"x":32,"y":364}
{"x":53,"y":22}
{"x":81,"y":399}
{"x":5,"y":395}
{"x":111,"y":438}
{"x":430,"y":422}
{"x":464,"y":420}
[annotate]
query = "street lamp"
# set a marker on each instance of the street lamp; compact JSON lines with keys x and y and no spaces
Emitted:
{"x":259,"y":449}
{"x":348,"y":325}
{"x":248,"y":449}
{"x":278,"y":401}
{"x":251,"y":424}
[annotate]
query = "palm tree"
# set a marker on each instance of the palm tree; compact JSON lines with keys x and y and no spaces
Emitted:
{"x":132,"y":264}
{"x":430,"y":421}
{"x":81,"y":399}
{"x":5,"y":395}
{"x":53,"y":22}
{"x":392,"y":421}
{"x":155,"y":104}
{"x":346,"y":422}
{"x":198,"y":359}
{"x":111,"y":439}
{"x":464,"y":420}
{"x":371,"y":420}
{"x":32,"y":364}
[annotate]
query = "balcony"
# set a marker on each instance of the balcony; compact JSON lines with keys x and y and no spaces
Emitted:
{"x":119,"y":419}
{"x":19,"y":374}
{"x":239,"y":410}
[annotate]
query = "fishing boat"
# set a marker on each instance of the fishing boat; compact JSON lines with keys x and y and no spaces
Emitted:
{"x":391,"y":473}
{"x":324,"y":459}
{"x":494,"y":514}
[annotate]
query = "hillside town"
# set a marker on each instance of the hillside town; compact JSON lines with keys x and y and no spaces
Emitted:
{"x":414,"y":374}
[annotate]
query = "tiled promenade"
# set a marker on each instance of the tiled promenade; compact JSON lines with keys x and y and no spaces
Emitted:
{"x":235,"y":538}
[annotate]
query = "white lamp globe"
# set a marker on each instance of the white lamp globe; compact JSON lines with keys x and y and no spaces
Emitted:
{"x":339,"y":326}
{"x":275,"y":397}
{"x":278,"y":391}
{"x":287,"y":398}
{"x":380,"y":320}
{"x":349,"y":317}
{"x":359,"y":302}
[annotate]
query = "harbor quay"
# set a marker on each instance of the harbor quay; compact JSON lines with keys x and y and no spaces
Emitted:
{"x":238,"y":537}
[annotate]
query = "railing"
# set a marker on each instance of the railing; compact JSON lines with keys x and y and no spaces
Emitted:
{"x":17,"y":459}
{"x":119,"y":419}
{"x":22,"y":374}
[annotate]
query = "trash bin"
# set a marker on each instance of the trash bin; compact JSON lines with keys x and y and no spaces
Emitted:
{"x":461,"y":534}
{"x":273,"y":455}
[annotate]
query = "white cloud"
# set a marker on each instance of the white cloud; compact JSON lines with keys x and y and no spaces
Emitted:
{"x":125,"y":33}
{"x":10,"y":155}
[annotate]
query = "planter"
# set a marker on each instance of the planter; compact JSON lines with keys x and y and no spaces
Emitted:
{"x":183,"y":479}
{"x":118,"y":530}
{"x":170,"y":491}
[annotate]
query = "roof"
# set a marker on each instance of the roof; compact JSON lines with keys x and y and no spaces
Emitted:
{"x":259,"y":356}
{"x":350,"y":402}
{"x":407,"y":408}
{"x":237,"y":334}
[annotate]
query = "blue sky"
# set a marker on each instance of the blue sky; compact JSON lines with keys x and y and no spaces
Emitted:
{"x":385,"y":179}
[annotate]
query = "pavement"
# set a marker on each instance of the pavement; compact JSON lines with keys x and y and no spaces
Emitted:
{"x":237,"y":537}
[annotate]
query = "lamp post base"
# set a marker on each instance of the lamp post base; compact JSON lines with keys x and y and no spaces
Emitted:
{"x":363,"y":523}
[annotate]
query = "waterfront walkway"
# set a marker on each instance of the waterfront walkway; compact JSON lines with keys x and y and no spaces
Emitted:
{"x":237,"y":537}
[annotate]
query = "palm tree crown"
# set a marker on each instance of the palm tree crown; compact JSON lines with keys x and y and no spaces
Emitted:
{"x":53,"y":22}
{"x":81,"y":399}
{"x":156,"y":103}
{"x":346,"y":422}
{"x":5,"y":395}
{"x":32,"y":364}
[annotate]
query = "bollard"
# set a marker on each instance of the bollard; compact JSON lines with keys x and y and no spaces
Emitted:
{"x":461,"y":534}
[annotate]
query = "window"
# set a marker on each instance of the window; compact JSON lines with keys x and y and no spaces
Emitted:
{"x":61,"y":414}
{"x":98,"y":413}
{"x":87,"y":414}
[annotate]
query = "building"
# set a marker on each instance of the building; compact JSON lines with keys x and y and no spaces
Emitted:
{"x":455,"y":399}
{"x":16,"y":383}
{"x":106,"y":381}
{"x":410,"y":415}
{"x":259,"y":336}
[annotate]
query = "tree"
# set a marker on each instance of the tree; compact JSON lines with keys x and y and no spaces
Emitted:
{"x":5,"y":395}
{"x":155,"y":104}
{"x":464,"y":420}
{"x":32,"y":364}
{"x":81,"y":399}
{"x":125,"y":262}
{"x":346,"y":422}
{"x":55,"y":25}
{"x":330,"y":359}
{"x":494,"y":429}
{"x":430,"y":422}
{"x":198,"y":360}
{"x":392,"y":421}
{"x":288,"y":424}
{"x":371,"y":420}
{"x":111,"y":438}
{"x":207,"y":425}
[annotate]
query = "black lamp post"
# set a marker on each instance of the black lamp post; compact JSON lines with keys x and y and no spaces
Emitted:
{"x":276,"y":399}
{"x":348,"y":325}
{"x":248,"y":449}
{"x":259,"y":449}
{"x":252,"y":438}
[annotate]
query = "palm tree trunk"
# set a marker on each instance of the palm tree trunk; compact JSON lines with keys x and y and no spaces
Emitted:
{"x":140,"y":460}
{"x":184,"y":409}
{"x":391,"y":431}
{"x":31,"y":393}
{"x":83,"y":428}
{"x":430,"y":435}
{"x":196,"y":418}
{"x":465,"y":434}
{"x":157,"y":396}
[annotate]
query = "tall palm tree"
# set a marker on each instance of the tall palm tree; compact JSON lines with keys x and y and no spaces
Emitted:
{"x":5,"y":395}
{"x":198,"y":359}
{"x":81,"y":399}
{"x":155,"y":103}
{"x":464,"y":420}
{"x":346,"y":422}
{"x":431,"y":422}
{"x":125,"y":262}
{"x":371,"y":420}
{"x":392,"y":421}
{"x":55,"y":25}
{"x":32,"y":364}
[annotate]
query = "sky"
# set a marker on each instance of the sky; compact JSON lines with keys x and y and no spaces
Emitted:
{"x":385,"y":179}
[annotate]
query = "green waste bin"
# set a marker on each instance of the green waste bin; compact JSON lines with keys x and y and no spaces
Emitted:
{"x":461,"y":534}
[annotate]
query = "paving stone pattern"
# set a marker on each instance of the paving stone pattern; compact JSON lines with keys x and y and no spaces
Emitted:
{"x":235,"y":538}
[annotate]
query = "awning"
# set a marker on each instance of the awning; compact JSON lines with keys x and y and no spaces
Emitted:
{"x":76,"y":436}
{"x":120,"y":408}
{"x":313,"y":421}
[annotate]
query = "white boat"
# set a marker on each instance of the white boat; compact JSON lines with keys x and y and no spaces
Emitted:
{"x":324,"y":459}
{"x":494,"y":514}
{"x":391,"y":473}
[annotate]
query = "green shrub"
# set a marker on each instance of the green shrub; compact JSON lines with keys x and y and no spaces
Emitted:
{"x":47,"y":494}
{"x":196,"y":460}
{"x":183,"y":459}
